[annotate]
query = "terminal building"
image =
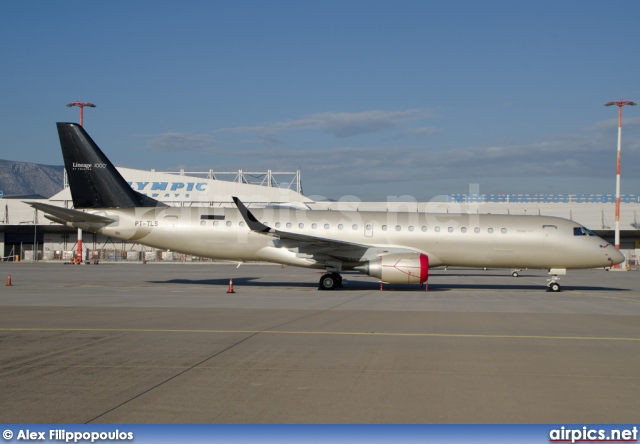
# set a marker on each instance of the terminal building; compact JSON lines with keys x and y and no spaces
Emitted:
{"x":23,"y":230}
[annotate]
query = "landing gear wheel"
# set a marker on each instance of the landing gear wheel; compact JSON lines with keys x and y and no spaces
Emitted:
{"x":554,"y":287}
{"x":514,"y":274}
{"x":329,"y":281}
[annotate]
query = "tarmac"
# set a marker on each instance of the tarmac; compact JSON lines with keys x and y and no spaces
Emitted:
{"x":134,"y":343}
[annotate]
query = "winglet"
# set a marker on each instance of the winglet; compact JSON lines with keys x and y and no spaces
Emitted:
{"x":253,"y":223}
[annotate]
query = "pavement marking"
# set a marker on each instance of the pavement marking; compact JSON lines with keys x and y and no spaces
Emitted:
{"x":603,"y":297}
{"x":335,"y":333}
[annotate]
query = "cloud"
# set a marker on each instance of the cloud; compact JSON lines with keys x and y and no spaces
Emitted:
{"x":270,"y":139}
{"x":414,"y":165}
{"x":340,"y":124}
{"x":628,"y":123}
{"x":425,"y":131}
{"x":170,"y":142}
{"x":586,"y":155}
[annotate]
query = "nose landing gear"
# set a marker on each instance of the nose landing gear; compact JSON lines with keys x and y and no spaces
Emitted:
{"x":552,"y":284}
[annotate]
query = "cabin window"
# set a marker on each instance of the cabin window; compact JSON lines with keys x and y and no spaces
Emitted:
{"x":278,"y":224}
{"x":410,"y":227}
{"x":354,"y":226}
{"x":216,"y":223}
{"x":476,"y":230}
{"x":450,"y":230}
{"x":384,"y":228}
{"x":203,"y":223}
{"x":503,"y":231}
{"x":340,"y":226}
{"x":437,"y":229}
{"x":300,"y":225}
{"x":398,"y":228}
{"x":369,"y":227}
{"x":241,"y":224}
{"x":424,"y":228}
{"x":288,"y":224}
{"x":463,"y":229}
{"x":228,"y":223}
{"x":327,"y":226}
{"x":314,"y":226}
{"x":490,"y":230}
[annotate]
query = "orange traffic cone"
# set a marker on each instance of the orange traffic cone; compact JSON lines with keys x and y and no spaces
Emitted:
{"x":230,"y":290}
{"x":9,"y":284}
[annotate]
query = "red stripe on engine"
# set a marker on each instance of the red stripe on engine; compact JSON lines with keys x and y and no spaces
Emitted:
{"x":424,"y":268}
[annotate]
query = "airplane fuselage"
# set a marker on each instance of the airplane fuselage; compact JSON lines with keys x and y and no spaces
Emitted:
{"x":468,"y":240}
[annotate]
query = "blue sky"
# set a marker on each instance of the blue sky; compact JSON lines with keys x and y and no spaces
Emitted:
{"x":368,"y":98}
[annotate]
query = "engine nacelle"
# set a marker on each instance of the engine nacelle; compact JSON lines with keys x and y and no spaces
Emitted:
{"x":400,"y":268}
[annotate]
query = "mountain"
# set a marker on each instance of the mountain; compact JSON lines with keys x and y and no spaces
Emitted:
{"x":24,"y":178}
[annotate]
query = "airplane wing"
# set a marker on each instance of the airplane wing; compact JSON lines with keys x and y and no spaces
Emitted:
{"x":73,"y":217}
{"x":318,"y":247}
{"x":255,"y":225}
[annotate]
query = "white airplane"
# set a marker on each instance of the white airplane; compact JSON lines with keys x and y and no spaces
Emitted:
{"x":394,"y":247}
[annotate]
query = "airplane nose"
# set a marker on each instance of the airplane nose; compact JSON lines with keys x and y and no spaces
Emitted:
{"x":617,"y":257}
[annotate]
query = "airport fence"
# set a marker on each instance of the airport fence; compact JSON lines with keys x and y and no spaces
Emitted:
{"x":107,"y":255}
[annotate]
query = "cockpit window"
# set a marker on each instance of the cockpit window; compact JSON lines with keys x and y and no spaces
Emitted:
{"x":582,"y":231}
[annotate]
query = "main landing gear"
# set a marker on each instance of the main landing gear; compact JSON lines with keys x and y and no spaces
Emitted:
{"x":330,"y":281}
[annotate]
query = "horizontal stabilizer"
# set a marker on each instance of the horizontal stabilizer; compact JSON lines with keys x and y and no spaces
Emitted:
{"x":65,"y":215}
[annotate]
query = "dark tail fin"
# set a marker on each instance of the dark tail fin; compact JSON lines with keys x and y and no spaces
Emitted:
{"x":94,"y":181}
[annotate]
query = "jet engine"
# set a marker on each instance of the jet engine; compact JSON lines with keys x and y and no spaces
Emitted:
{"x":399,"y":268}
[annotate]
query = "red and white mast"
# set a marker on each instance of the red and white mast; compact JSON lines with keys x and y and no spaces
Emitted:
{"x":80,"y":105}
{"x":620,"y":104}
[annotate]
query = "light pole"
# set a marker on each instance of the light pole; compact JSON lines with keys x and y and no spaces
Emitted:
{"x":81,"y":105}
{"x":620,"y":104}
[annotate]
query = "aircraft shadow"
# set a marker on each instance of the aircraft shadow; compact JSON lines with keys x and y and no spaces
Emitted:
{"x":449,"y":287}
{"x":480,"y":274}
{"x":239,"y":281}
{"x":369,"y":286}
